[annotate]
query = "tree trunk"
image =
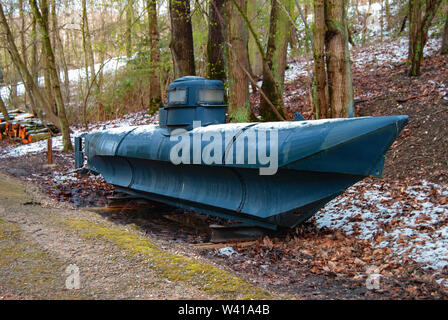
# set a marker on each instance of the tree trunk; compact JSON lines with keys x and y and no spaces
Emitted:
{"x":268,"y":75}
{"x":181,"y":45}
{"x":60,"y":47}
{"x":101,"y":62}
{"x":23,"y":44}
{"x":388,"y":15}
{"x":155,"y":95}
{"x":89,"y":62}
{"x":215,"y":45}
{"x":67,"y":145}
{"x":3,"y":110}
{"x":444,"y":48}
{"x":22,"y":32}
{"x":87,"y":44}
{"x":415,"y":54}
{"x":34,"y":58}
{"x":47,"y":76}
{"x":418,"y":31}
{"x":275,"y":61}
{"x":129,"y":22}
{"x":320,"y":88}
{"x":237,"y":59}
{"x":255,"y":58}
{"x":338,"y":60}
{"x":48,"y":86}
{"x":303,"y":17}
{"x":281,"y":40}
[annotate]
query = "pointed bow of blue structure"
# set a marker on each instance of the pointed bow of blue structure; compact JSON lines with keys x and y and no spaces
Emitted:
{"x":317,"y":161}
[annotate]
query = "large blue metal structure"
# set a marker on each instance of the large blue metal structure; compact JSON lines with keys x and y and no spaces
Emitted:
{"x":316,"y":160}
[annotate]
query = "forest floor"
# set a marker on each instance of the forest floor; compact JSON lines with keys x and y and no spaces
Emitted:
{"x":393,"y":229}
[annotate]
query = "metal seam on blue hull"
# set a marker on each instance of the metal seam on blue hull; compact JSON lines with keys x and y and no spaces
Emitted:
{"x":121,"y":140}
{"x":243,"y":190}
{"x":234,"y":138}
{"x":132,"y":172}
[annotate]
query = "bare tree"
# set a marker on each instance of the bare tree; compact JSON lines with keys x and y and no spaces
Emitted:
{"x":320,"y":86}
{"x":56,"y":86}
{"x":215,"y":44}
{"x":58,"y":45}
{"x":155,"y":101}
{"x":28,"y":80}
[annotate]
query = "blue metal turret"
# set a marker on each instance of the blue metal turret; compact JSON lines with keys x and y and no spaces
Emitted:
{"x":193,"y":99}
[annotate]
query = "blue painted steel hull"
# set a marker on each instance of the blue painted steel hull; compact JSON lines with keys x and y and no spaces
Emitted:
{"x":317,"y":161}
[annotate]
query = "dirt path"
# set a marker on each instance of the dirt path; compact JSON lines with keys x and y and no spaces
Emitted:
{"x":39,"y":241}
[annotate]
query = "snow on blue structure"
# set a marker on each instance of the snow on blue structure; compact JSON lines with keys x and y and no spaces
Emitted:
{"x":269,"y":174}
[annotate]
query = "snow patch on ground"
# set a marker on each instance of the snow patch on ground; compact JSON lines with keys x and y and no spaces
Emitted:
{"x":389,"y":53}
{"x":410,"y":222}
{"x":382,"y":54}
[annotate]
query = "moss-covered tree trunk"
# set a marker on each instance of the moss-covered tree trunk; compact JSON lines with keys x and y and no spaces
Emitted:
{"x":46,"y":68}
{"x":320,"y":88}
{"x":275,"y":61}
{"x":56,"y":86}
{"x":129,"y":23}
{"x":237,"y":59}
{"x":444,"y":47}
{"x":181,"y":45}
{"x":60,"y":48}
{"x":22,"y":32}
{"x":34,"y":53}
{"x":255,"y":57}
{"x":418,"y":31}
{"x":338,"y":60}
{"x":155,"y":94}
{"x":215,"y":45}
{"x":281,"y":39}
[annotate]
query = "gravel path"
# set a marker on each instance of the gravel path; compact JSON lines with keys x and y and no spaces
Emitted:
{"x":39,"y":241}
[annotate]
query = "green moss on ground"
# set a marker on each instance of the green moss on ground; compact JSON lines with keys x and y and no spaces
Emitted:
{"x":28,"y":270}
{"x":173,"y":267}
